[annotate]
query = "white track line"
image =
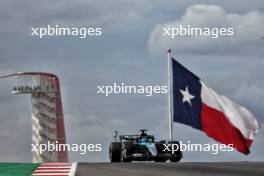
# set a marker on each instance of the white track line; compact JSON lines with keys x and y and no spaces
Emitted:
{"x":73,"y":169}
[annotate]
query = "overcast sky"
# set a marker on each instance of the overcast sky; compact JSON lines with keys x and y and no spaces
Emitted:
{"x":131,"y":50}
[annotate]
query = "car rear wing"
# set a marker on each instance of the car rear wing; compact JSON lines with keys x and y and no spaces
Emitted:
{"x":128,"y":137}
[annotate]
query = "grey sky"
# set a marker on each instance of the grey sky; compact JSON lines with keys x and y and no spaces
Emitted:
{"x":124,"y":53}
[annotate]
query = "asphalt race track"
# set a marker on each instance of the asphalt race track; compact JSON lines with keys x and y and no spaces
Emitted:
{"x":169,"y":169}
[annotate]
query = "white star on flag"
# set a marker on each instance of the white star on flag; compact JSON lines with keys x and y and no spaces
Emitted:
{"x":187,"y":97}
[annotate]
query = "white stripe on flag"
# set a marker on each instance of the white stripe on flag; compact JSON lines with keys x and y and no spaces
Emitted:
{"x":239,"y":116}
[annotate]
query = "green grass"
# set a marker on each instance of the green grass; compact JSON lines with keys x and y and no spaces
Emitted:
{"x":17,"y":169}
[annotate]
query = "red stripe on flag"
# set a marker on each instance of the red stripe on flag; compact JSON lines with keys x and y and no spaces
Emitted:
{"x":216,"y":125}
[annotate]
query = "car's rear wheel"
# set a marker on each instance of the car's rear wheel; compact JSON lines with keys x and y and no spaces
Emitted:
{"x":115,"y":151}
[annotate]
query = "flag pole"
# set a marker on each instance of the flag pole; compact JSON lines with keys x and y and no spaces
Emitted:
{"x":169,"y":96}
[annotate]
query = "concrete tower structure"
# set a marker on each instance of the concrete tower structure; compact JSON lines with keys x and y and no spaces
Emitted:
{"x":47,"y":112}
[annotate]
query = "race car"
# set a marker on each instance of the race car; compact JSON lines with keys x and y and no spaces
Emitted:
{"x":142,"y":147}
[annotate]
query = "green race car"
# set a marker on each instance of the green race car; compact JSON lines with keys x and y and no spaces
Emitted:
{"x":143,"y":147}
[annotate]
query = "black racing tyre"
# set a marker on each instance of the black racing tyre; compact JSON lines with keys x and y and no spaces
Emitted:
{"x":115,"y":151}
{"x":127,"y":151}
{"x":177,"y":156}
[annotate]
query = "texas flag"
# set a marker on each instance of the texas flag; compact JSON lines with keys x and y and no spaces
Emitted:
{"x":197,"y":105}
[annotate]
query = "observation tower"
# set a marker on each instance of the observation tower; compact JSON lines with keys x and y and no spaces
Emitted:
{"x":47,"y":112}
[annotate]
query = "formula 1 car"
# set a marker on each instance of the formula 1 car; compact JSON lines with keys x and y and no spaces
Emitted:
{"x":142,"y":147}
